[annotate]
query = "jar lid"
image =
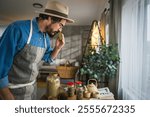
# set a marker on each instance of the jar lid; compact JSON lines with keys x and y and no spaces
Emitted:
{"x":70,"y":83}
{"x":78,"y":82}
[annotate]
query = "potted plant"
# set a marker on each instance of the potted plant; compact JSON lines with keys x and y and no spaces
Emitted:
{"x":102,"y":64}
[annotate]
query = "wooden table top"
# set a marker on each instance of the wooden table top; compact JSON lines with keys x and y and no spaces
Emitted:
{"x":44,"y":97}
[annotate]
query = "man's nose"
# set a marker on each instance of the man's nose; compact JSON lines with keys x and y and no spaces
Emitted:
{"x":60,"y":30}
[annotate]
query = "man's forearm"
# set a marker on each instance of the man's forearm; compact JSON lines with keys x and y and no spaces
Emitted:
{"x":55,"y":53}
{"x":6,"y":94}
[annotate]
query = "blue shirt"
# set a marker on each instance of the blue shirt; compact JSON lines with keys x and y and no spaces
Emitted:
{"x":14,"y":39}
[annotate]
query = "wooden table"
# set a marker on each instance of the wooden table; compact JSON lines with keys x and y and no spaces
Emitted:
{"x":44,"y":97}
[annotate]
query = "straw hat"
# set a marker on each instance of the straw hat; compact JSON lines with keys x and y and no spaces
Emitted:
{"x":57,"y":9}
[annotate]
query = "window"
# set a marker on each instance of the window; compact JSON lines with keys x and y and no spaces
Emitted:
{"x":135,"y":55}
{"x":148,"y":23}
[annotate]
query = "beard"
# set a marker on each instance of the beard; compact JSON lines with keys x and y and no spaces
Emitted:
{"x":51,"y":32}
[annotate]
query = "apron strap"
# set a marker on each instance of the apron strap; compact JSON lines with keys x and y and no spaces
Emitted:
{"x":45,"y":40}
{"x":15,"y":86}
{"x":30,"y":35}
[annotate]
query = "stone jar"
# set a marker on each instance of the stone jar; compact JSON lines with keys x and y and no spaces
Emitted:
{"x":53,"y":84}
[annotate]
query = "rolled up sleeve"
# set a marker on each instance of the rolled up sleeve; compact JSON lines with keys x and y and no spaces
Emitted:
{"x":47,"y":56}
{"x":3,"y":82}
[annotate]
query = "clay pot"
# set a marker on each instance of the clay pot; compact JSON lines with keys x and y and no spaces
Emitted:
{"x":87,"y":94}
{"x":91,"y":87}
{"x":96,"y":95}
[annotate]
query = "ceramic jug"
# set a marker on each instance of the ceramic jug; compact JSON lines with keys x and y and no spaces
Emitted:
{"x":92,"y":87}
{"x":53,"y":84}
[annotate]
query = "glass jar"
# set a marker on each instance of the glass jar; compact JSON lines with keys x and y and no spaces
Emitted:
{"x":53,"y":84}
{"x":71,"y":89}
{"x":79,"y":93}
{"x":77,"y":85}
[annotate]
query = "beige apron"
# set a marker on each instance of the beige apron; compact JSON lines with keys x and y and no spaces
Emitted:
{"x":24,"y":71}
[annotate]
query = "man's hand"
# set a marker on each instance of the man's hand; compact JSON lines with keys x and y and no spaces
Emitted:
{"x":60,"y":42}
{"x":5,"y":94}
{"x":58,"y":46}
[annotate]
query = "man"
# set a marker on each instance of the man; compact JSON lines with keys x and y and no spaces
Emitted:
{"x":23,"y":45}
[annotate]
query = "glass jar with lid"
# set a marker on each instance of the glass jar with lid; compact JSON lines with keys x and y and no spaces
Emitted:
{"x":79,"y":93}
{"x":71,"y":89}
{"x":77,"y":85}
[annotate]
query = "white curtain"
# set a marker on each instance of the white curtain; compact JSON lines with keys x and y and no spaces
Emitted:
{"x":134,"y":78}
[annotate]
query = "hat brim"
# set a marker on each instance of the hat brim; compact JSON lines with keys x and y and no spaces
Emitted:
{"x":67,"y":19}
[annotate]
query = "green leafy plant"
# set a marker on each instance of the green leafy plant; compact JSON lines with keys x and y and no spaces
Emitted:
{"x":102,"y":63}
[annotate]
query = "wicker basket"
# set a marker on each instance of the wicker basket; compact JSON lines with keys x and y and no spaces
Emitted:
{"x":67,"y":71}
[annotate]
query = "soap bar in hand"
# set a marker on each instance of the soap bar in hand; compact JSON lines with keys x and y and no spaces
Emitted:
{"x":60,"y":35}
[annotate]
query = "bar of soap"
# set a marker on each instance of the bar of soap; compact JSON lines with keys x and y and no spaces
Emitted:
{"x":60,"y":35}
